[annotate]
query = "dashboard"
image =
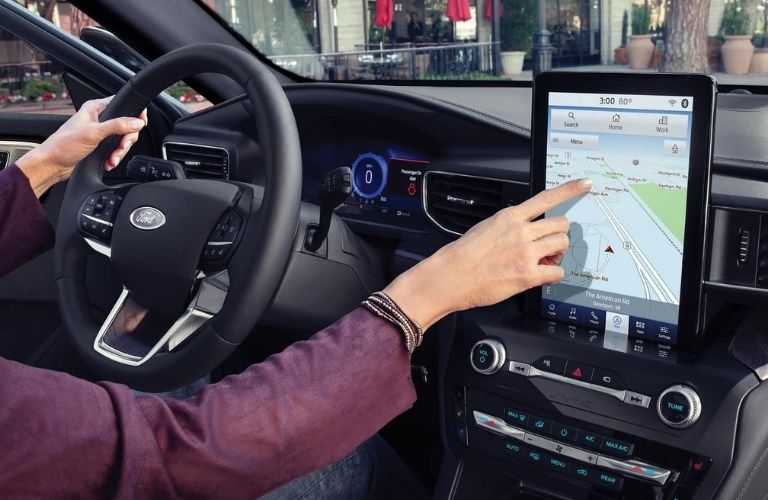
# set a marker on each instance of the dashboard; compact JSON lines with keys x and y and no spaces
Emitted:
{"x":428,"y":163}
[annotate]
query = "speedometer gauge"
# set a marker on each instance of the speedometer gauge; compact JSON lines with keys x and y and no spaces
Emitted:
{"x":369,"y":175}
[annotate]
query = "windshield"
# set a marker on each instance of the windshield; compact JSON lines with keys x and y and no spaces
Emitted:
{"x":505,"y":39}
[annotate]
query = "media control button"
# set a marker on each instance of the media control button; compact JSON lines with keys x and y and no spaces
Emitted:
{"x":607,"y":378}
{"x":513,"y":449}
{"x":515,"y":417}
{"x":519,"y":368}
{"x":563,"y":432}
{"x":679,"y":406}
{"x":578,"y":371}
{"x":617,"y":447}
{"x":637,"y":399}
{"x":608,"y":480}
{"x":550,"y":364}
{"x":581,"y":472}
{"x":591,"y":440}
{"x":540,"y":425}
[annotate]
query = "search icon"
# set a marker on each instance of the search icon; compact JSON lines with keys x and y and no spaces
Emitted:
{"x":570,"y":115}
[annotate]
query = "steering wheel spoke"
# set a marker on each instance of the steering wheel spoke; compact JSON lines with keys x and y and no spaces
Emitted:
{"x":130,"y":334}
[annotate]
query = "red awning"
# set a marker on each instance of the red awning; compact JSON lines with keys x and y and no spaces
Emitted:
{"x":489,"y":9}
{"x":385,"y":12}
{"x":458,"y":10}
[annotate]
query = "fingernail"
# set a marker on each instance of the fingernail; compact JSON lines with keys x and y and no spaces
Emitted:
{"x":128,"y":144}
{"x":585,"y":184}
{"x":117,"y":160}
{"x":136,"y":124}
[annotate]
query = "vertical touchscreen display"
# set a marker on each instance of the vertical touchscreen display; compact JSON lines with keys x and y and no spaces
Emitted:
{"x":623,"y":267}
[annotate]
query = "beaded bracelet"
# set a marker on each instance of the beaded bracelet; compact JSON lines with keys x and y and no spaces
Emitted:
{"x":384,"y":307}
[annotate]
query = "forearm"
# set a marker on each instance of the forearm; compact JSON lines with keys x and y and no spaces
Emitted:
{"x":24,"y":227}
{"x":298,"y":411}
{"x":40,"y":175}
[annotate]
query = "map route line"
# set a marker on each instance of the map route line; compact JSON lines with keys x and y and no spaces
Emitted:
{"x":657,"y":281}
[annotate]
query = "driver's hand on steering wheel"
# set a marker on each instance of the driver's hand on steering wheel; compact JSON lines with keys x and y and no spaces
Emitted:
{"x":54,"y":160}
{"x":502,"y":256}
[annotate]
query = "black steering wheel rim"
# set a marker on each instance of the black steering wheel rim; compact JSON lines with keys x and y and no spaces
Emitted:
{"x":255,"y":269}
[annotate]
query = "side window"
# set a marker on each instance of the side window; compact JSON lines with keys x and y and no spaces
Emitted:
{"x":30,"y":82}
{"x":70,"y":19}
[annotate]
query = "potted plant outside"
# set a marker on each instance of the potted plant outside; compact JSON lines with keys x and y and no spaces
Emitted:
{"x":640,"y":47}
{"x":620,"y":53}
{"x":518,"y":25}
{"x":760,"y":57}
{"x":738,"y":49}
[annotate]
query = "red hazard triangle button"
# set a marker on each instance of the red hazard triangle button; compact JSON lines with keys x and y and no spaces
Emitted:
{"x":579,"y":371}
{"x":608,"y":249}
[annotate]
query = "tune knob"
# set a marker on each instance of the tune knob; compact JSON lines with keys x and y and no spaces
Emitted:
{"x":679,"y":406}
{"x":487,"y":356}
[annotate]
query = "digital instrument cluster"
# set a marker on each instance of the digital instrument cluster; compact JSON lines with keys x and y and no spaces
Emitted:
{"x":386,"y":187}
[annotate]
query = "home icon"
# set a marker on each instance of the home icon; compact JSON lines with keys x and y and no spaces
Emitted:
{"x":616,"y":118}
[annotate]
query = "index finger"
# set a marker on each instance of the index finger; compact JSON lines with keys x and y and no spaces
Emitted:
{"x":546,"y":200}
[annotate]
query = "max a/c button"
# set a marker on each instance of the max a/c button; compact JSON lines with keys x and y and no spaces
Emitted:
{"x":617,"y":447}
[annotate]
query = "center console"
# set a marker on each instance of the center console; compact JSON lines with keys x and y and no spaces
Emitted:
{"x":619,"y":382}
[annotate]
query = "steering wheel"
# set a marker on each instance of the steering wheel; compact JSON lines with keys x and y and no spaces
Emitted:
{"x":199,"y":260}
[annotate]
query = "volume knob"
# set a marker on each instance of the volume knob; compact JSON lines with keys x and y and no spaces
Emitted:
{"x":679,"y":406}
{"x":487,"y":356}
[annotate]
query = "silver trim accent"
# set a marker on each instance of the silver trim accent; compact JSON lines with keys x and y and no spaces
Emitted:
{"x":99,"y":247}
{"x":630,"y":467}
{"x":519,"y":368}
{"x":225,"y":172}
{"x":161,"y":220}
{"x":694,"y":402}
{"x":219,"y":243}
{"x":205,"y":304}
{"x":441,"y":172}
{"x":497,"y":426}
{"x":620,"y":394}
{"x":94,"y":219}
{"x":499,"y":354}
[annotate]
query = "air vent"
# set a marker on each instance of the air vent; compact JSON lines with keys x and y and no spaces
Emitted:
{"x":762,"y":254}
{"x":200,"y":162}
{"x":457,"y":202}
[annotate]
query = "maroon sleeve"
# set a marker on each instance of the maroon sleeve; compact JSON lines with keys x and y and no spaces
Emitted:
{"x":24,"y":228}
{"x":294,"y":413}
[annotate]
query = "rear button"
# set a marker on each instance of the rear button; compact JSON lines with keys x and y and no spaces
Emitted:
{"x":608,"y":480}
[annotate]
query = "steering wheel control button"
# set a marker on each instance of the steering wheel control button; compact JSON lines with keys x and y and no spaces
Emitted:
{"x":487,"y":356}
{"x":608,"y":379}
{"x":97,"y":215}
{"x":223,"y":237}
{"x":617,"y":447}
{"x":579,"y":371}
{"x":550,"y":364}
{"x":637,"y":399}
{"x":679,"y":406}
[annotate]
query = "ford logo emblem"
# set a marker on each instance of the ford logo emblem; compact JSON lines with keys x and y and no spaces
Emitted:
{"x":147,"y":218}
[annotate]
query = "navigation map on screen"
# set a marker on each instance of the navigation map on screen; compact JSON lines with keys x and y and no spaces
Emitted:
{"x":624,"y":264}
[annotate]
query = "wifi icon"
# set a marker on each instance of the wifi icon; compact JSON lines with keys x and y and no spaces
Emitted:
{"x":672,"y":102}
